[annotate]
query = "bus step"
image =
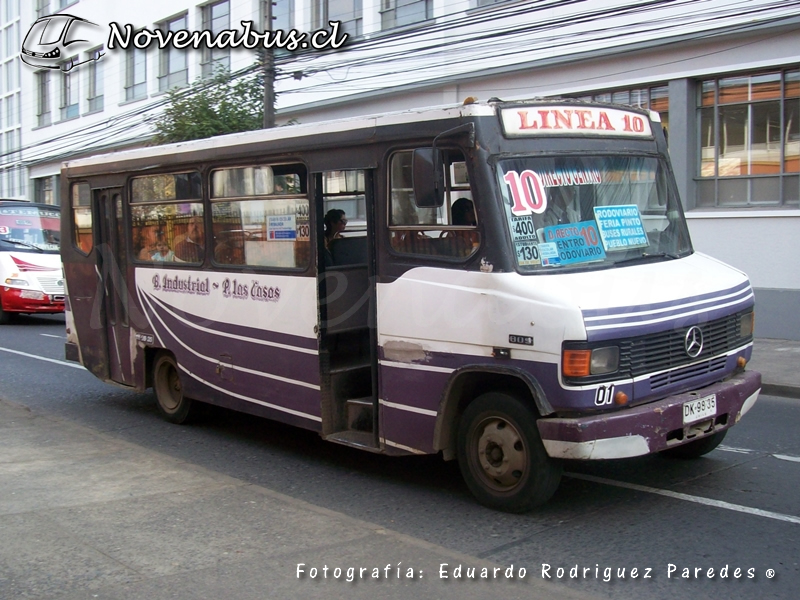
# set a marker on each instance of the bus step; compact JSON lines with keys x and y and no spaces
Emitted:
{"x":359,"y":439}
{"x":346,"y":366}
{"x":359,"y":414}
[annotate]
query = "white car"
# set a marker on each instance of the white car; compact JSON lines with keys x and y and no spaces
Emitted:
{"x":57,"y":41}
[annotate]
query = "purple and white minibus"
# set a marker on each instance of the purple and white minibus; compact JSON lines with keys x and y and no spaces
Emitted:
{"x":515,"y":286}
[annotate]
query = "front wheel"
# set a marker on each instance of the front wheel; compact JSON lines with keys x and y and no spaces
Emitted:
{"x":501,"y":456}
{"x":172,"y":404}
{"x":696,"y":448}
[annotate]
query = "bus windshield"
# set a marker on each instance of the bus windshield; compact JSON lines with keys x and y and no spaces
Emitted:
{"x":30,"y":229}
{"x":583,"y":212}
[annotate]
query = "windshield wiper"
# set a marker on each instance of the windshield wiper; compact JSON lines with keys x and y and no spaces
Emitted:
{"x":20,"y":243}
{"x":645,"y":257}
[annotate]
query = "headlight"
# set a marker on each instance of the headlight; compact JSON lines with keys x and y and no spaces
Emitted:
{"x":55,"y":53}
{"x":582,"y":363}
{"x":746,"y":324}
{"x":17,"y":282}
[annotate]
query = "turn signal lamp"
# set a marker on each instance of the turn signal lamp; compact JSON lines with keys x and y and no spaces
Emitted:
{"x":582,"y":362}
{"x":576,"y":363}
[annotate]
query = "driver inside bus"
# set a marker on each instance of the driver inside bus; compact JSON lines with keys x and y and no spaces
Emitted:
{"x":564,"y":206}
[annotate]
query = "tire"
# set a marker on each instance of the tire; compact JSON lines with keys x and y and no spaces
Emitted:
{"x":172,"y":404}
{"x":5,"y":316}
{"x":501,"y":456}
{"x":697,"y":448}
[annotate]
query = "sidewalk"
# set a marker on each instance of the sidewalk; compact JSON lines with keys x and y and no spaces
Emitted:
{"x":86,"y":515}
{"x":778,"y":361}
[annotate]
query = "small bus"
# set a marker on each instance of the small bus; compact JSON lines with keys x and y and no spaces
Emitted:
{"x":515,"y":286}
{"x":31,"y":278}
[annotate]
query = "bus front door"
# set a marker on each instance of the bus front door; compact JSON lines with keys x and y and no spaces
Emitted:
{"x":347,"y":336}
{"x":113,"y":269}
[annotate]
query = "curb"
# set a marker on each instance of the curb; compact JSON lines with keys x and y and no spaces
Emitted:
{"x":777,"y":389}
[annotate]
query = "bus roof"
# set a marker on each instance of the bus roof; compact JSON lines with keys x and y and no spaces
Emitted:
{"x":350,"y":124}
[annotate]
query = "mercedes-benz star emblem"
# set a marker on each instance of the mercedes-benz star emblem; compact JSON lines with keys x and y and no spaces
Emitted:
{"x":693,"y":342}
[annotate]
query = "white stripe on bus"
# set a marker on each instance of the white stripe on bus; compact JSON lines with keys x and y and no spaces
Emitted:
{"x":415,"y":366}
{"x":413,"y":409}
{"x":401,"y":446}
{"x":668,"y":308}
{"x":229,"y":335}
{"x":212,"y":360}
{"x":290,"y":411}
{"x":662,"y":319}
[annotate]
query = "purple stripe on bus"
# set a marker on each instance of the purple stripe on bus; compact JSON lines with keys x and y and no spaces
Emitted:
{"x":307,"y":343}
{"x":230,"y":380}
{"x":408,"y":429}
{"x":621,"y":310}
{"x":300,"y":366}
{"x":729,"y":305}
{"x":652,"y":328}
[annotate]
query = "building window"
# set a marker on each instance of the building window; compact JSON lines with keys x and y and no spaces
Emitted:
{"x":654,"y":98}
{"x":69,"y":93}
{"x":397,"y":13}
{"x":94,"y":81}
{"x":65,"y":3}
{"x":216,"y":18}
{"x":347,"y":12}
{"x":42,"y":8}
{"x":282,"y":15}
{"x":44,"y":189}
{"x":173,"y":70}
{"x":135,"y":74}
{"x":749,"y":140}
{"x":42,"y":98}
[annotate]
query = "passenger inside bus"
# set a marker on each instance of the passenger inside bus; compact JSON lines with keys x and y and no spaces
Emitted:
{"x":191,"y":248}
{"x":229,"y":249}
{"x":335,"y":223}
{"x":163,"y":252}
{"x":461,"y":242}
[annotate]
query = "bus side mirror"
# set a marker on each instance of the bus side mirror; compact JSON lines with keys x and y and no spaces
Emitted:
{"x":428,"y":178}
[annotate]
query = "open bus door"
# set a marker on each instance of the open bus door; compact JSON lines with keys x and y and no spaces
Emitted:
{"x":112,"y":269}
{"x":347,"y":333}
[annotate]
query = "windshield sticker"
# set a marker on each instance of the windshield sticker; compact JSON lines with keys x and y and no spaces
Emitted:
{"x":4,"y":230}
{"x":561,"y":177}
{"x":523,"y":235}
{"x":281,"y":227}
{"x":527,"y":192}
{"x":575,"y":242}
{"x":620,"y":227}
{"x":548,"y":251}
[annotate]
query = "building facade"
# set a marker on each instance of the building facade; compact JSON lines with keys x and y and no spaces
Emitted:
{"x":725,"y":76}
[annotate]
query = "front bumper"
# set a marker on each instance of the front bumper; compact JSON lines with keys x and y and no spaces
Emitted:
{"x":651,"y":427}
{"x":15,"y":300}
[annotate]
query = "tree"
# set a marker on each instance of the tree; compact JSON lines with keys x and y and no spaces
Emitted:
{"x":225,"y":103}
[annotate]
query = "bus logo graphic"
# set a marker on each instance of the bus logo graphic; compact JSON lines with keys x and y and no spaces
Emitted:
{"x":61,"y":42}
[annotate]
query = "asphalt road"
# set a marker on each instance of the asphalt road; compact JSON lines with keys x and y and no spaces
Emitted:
{"x":737,"y":508}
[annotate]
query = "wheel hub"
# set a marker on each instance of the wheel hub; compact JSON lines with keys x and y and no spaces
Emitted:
{"x":501,"y":454}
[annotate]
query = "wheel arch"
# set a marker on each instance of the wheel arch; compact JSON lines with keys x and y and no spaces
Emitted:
{"x":469,"y":382}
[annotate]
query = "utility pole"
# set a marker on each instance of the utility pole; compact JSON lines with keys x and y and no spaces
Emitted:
{"x":269,"y":71}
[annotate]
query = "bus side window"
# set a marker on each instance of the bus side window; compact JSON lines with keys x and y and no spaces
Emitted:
{"x":167,"y":218}
{"x":83,"y":238}
{"x":448,"y":231}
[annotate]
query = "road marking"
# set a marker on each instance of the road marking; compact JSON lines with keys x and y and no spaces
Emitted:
{"x":785,"y":457}
{"x":688,"y":498}
{"x":52,"y":360}
{"x":746,"y":451}
{"x":60,"y":337}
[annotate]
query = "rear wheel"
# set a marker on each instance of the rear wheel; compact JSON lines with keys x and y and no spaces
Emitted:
{"x":5,"y":316}
{"x":174,"y":406}
{"x":696,"y":448}
{"x":501,"y":455}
